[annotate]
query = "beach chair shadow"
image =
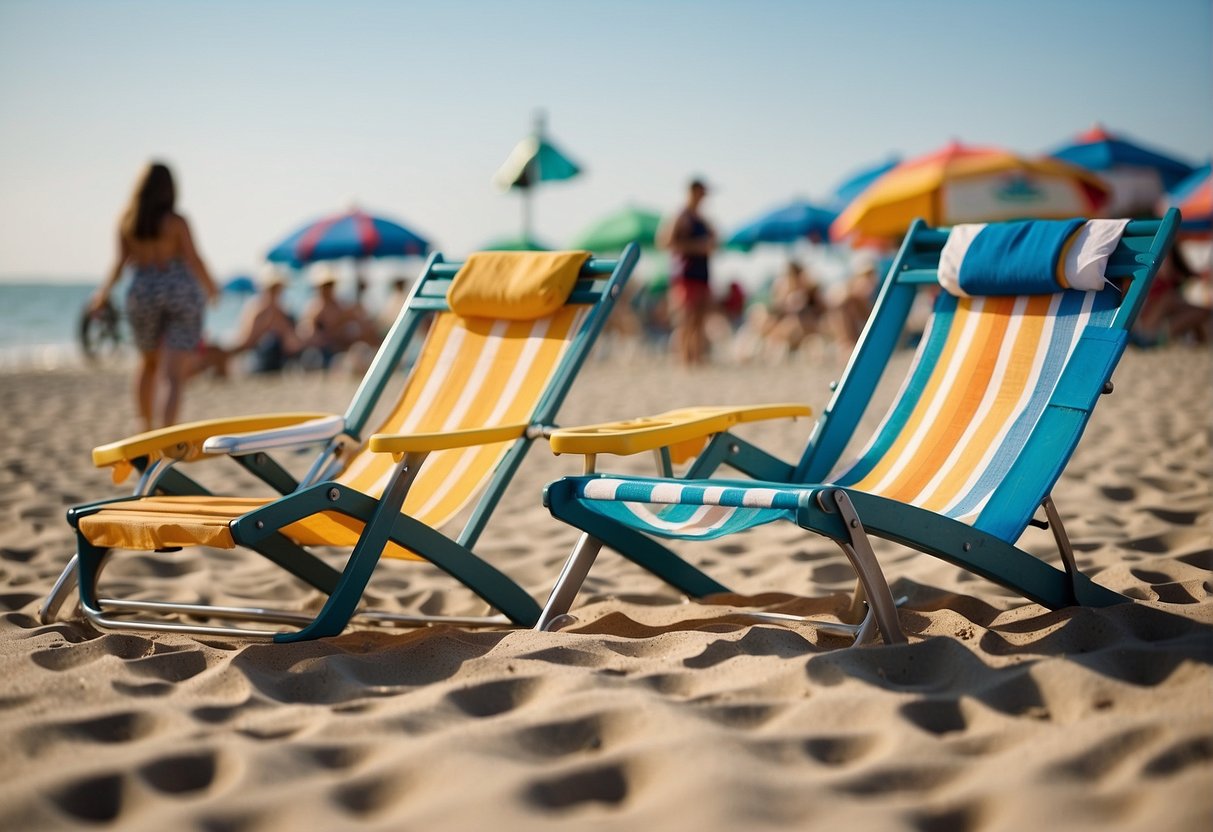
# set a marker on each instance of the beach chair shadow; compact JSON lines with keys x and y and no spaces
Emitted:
{"x":985,"y":420}
{"x":507,"y":334}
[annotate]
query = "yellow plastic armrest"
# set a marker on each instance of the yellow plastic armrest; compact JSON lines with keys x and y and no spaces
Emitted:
{"x":184,"y":442}
{"x":634,"y":436}
{"x":405,"y":443}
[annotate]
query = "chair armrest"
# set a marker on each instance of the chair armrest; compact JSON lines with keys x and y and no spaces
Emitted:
{"x":634,"y":436}
{"x":312,"y":431}
{"x":185,"y":442}
{"x":405,"y":443}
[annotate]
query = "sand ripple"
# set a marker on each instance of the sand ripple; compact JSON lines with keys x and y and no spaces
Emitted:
{"x":647,"y":712}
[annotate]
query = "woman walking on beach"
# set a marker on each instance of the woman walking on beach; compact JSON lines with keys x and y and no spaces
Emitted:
{"x":169,"y":289}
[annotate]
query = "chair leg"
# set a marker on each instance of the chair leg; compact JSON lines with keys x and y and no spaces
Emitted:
{"x":337,"y":610}
{"x":859,"y":604}
{"x":572,"y":576}
{"x":1063,"y":545}
{"x":64,"y":588}
{"x":858,"y":550}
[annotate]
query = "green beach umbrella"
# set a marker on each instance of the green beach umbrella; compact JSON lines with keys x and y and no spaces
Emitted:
{"x":534,"y":159}
{"x":515,"y":244}
{"x":614,"y":231}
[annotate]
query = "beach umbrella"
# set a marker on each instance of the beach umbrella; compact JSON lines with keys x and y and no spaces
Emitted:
{"x":798,"y":220}
{"x":964,"y":183}
{"x":241,"y":284}
{"x":350,"y":234}
{"x":1138,"y":175}
{"x":534,"y":159}
{"x":508,"y":243}
{"x":614,"y":231}
{"x":1194,"y":199}
{"x":857,"y":182}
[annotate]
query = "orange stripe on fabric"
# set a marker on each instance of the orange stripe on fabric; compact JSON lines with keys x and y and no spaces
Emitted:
{"x":1059,"y":271}
{"x":899,"y":447}
{"x":962,"y":401}
{"x":1017,"y":376}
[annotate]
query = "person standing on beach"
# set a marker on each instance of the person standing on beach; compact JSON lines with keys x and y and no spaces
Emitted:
{"x":691,"y":242}
{"x":169,"y":289}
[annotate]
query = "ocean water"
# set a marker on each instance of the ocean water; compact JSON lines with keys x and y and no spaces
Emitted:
{"x":40,"y":321}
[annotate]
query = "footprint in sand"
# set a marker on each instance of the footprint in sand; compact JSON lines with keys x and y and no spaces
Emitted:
{"x":607,"y":784}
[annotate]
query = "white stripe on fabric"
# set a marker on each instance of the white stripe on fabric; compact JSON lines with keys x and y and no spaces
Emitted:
{"x":666,"y":492}
{"x":601,"y":489}
{"x":1087,"y":257}
{"x":1025,"y":396}
{"x":758,"y":497}
{"x":953,"y":255}
{"x":509,"y":395}
{"x":471,"y":390}
{"x":475,"y":381}
{"x":936,"y":404}
{"x":847,"y":467}
{"x":1006,"y":352}
{"x":705,"y":520}
{"x":433,"y":384}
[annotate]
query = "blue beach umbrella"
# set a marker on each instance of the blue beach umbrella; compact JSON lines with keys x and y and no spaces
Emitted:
{"x":241,"y":284}
{"x":858,"y":181}
{"x":1194,"y":199}
{"x":1100,"y":150}
{"x":798,"y":220}
{"x":352,"y":234}
{"x":1138,"y":175}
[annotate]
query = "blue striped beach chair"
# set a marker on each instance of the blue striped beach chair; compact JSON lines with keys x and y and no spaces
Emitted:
{"x":507,"y":334}
{"x":1023,"y":338}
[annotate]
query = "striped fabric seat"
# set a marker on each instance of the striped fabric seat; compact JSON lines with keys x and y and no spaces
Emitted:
{"x":499,"y":340}
{"x":504,"y":367}
{"x":977,"y":386}
{"x":982,"y":424}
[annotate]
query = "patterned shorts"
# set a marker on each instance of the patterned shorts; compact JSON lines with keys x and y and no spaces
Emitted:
{"x":164,"y":307}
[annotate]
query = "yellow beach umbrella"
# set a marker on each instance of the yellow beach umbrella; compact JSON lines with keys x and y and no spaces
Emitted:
{"x":962,"y":183}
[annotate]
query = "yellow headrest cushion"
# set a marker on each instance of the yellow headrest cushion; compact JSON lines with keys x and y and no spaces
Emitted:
{"x":516,"y":285}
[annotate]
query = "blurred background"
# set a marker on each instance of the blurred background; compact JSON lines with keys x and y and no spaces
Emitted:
{"x":276,"y":114}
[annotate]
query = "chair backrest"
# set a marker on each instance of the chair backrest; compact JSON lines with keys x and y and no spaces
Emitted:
{"x":475,"y":372}
{"x":997,"y":394}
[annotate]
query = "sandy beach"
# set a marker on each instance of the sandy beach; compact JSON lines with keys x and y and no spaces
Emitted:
{"x":650,"y":712}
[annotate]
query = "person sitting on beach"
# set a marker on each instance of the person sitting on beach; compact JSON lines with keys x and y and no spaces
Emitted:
{"x":359,"y":331}
{"x":168,"y":292}
{"x":266,"y":327}
{"x":851,"y":309}
{"x":1168,"y":315}
{"x":398,"y":295}
{"x":360,"y":327}
{"x":796,"y":309}
{"x":322,"y":325}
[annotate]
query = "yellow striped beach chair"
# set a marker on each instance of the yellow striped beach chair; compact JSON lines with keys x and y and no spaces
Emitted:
{"x":1030,"y":321}
{"x":507,"y":334}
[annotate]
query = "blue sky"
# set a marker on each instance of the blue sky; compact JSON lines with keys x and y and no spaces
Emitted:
{"x":273,"y":112}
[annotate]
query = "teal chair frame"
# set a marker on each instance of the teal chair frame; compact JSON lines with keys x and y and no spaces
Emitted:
{"x":599,"y":285}
{"x":848,"y":516}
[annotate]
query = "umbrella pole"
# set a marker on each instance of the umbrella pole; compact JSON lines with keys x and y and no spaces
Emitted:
{"x":526,"y":213}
